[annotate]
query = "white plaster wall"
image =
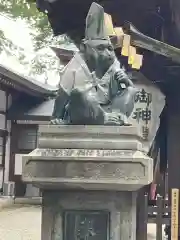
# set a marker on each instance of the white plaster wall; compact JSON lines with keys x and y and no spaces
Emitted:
{"x":18,"y":164}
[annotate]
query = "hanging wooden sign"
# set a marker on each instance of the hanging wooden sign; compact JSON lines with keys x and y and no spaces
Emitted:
{"x":137,"y":63}
{"x":132,"y":55}
{"x":109,"y":24}
{"x":126,"y":45}
{"x":174,"y":213}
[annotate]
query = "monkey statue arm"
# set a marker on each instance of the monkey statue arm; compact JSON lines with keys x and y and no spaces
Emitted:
{"x":121,"y":77}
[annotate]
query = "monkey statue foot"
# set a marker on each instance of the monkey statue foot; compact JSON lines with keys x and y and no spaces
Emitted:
{"x":57,"y":121}
{"x":115,"y":119}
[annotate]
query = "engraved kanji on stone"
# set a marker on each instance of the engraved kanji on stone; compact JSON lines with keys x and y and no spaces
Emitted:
{"x":145,"y":132}
{"x":142,"y":114}
{"x":143,"y":97}
{"x":81,"y":152}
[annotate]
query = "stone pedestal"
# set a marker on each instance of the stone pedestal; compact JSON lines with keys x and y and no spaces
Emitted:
{"x":112,"y":215}
{"x":89,"y":176}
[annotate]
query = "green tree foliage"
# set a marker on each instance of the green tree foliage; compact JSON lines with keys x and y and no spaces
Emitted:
{"x":41,"y":34}
{"x":27,"y":11}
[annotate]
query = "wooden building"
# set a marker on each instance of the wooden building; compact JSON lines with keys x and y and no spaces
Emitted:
{"x":24,"y":103}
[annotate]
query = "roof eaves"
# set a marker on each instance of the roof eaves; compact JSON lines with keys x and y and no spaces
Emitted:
{"x":27,"y":82}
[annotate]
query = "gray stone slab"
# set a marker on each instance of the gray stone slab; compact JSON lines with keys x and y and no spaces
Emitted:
{"x":88,"y":129}
{"x":89,"y":137}
{"x":99,"y":169}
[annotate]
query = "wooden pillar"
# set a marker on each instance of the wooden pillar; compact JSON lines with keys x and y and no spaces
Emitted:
{"x":173,"y":142}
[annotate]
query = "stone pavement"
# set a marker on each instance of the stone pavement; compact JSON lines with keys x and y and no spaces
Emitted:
{"x":22,"y":222}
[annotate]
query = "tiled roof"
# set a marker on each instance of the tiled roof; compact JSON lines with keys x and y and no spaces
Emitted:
{"x":14,"y":79}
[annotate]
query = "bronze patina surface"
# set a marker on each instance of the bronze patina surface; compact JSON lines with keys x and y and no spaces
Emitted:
{"x":94,"y":89}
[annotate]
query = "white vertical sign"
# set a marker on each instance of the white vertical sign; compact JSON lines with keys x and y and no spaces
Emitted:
{"x":149,"y":103}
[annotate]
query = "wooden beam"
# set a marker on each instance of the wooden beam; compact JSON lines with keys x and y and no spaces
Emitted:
{"x":142,"y":41}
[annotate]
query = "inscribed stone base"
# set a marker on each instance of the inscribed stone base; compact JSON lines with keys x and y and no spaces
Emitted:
{"x":88,"y":215}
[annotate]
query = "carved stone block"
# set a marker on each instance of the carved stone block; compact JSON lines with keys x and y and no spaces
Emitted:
{"x":88,"y":168}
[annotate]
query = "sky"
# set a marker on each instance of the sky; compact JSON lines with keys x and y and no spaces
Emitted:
{"x":11,"y":28}
{"x":19,"y":33}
